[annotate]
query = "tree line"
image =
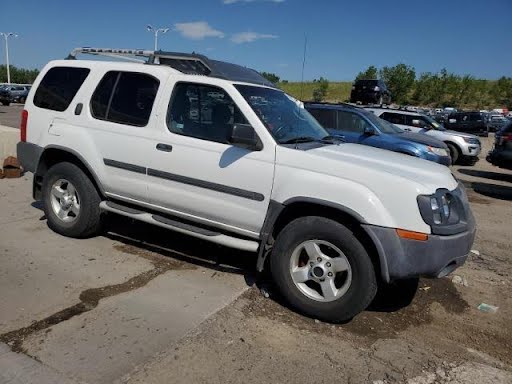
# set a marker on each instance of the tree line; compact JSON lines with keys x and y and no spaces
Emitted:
{"x":18,"y":75}
{"x":439,"y":89}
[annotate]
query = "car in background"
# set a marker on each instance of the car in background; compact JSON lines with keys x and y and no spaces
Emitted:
{"x":496,"y":121}
{"x":464,"y":147}
{"x":14,"y":94}
{"x":501,"y":154}
{"x":370,"y":92}
{"x":469,"y":122}
{"x":357,"y":125}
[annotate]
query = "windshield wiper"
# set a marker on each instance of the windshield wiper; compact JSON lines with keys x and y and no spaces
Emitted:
{"x":299,"y":139}
{"x":332,"y":139}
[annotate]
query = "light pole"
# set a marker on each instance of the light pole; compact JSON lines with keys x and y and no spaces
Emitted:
{"x":6,"y":36}
{"x":156,"y":31}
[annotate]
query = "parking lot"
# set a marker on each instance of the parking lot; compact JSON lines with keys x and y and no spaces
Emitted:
{"x":143,"y":305}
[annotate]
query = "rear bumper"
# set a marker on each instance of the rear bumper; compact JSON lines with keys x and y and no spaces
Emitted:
{"x":436,"y":257}
{"x":501,"y":158}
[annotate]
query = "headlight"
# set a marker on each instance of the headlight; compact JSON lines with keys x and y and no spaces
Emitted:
{"x":438,"y":151}
{"x":443,"y":211}
{"x":471,"y":140}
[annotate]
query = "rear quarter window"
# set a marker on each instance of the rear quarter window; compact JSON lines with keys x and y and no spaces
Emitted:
{"x":58,"y":87}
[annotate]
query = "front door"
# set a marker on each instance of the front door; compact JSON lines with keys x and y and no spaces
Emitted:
{"x":193,"y":170}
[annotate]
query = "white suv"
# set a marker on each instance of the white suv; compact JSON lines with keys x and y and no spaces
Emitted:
{"x":215,"y":151}
{"x":464,"y":147}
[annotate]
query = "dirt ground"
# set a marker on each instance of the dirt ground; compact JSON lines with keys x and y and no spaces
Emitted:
{"x":441,"y":337}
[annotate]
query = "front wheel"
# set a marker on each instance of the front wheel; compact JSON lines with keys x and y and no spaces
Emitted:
{"x":71,"y":202}
{"x":454,"y":153}
{"x":322,"y":270}
{"x":6,"y":103}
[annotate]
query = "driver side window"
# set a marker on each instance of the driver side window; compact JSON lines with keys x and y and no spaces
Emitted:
{"x":203,"y":112}
{"x":350,"y":122}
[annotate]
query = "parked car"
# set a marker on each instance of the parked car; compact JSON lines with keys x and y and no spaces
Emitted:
{"x":495,"y":122}
{"x":469,"y":122}
{"x":357,"y":125}
{"x":13,"y":94}
{"x":259,"y":174}
{"x":501,"y":154}
{"x":370,"y":92}
{"x":464,"y":147}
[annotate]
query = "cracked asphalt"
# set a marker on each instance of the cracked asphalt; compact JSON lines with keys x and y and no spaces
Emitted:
{"x":143,"y":305}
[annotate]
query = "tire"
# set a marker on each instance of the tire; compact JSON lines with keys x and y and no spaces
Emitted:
{"x":307,"y":297}
{"x":21,"y":100}
{"x":81,"y":211}
{"x":6,"y":103}
{"x":454,"y":152}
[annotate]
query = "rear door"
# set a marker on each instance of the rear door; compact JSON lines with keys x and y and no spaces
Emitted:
{"x":398,"y":119}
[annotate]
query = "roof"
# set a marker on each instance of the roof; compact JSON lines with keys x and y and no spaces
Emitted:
{"x":187,"y":63}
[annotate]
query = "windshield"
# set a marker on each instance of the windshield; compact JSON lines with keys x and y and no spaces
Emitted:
{"x":282,"y":117}
{"x":434,"y":123}
{"x":383,"y":125}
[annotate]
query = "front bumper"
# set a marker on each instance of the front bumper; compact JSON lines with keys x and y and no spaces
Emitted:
{"x":436,"y":257}
{"x":472,"y":150}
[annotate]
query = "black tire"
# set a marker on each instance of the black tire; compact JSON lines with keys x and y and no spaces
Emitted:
{"x":454,"y":152}
{"x":6,"y":103}
{"x":21,"y":100}
{"x":88,"y":220}
{"x":363,"y":286}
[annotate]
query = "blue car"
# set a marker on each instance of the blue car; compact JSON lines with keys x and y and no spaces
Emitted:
{"x":358,"y":126}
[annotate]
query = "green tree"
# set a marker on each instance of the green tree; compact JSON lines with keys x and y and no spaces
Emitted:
{"x":369,"y":74}
{"x":272,"y":77}
{"x":400,"y":81}
{"x":320,"y":90}
{"x":501,"y":92}
{"x":18,"y":75}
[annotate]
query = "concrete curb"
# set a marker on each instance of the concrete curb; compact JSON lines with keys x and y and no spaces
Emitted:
{"x":9,"y":137}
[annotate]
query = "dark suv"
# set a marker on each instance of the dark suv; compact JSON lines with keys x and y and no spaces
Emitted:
{"x":13,"y":93}
{"x":501,"y":154}
{"x":370,"y":92}
{"x":470,"y":122}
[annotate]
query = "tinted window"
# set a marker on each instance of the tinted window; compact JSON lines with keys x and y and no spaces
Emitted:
{"x":326,"y":117}
{"x":394,"y":118}
{"x":58,"y":87}
{"x":350,"y":122}
{"x":475,"y":117}
{"x":125,"y":98}
{"x":203,"y":112}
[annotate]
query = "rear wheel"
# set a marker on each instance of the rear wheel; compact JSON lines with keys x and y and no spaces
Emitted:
{"x":322,"y":270}
{"x":454,"y":152}
{"x":6,"y":103}
{"x":71,"y":202}
{"x":22,"y":100}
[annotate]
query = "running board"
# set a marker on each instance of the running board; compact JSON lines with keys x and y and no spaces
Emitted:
{"x":177,"y":226}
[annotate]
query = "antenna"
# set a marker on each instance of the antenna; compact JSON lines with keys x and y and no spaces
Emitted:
{"x":303,"y":65}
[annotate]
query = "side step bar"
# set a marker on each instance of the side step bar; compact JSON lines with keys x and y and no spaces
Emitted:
{"x":187,"y":229}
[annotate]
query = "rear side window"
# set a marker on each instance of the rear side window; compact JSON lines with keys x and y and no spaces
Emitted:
{"x":326,"y":117}
{"x":350,"y":122}
{"x":59,"y":86}
{"x":125,"y":98}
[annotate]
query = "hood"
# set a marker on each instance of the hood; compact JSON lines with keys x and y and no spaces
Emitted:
{"x":371,"y":166}
{"x":421,"y":138}
{"x":461,"y":134}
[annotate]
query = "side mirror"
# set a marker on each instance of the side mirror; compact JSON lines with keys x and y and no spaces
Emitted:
{"x":369,"y":131}
{"x":244,"y":135}
{"x":452,"y":121}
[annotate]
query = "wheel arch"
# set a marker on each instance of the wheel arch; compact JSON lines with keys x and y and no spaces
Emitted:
{"x":55,"y":154}
{"x":281,"y":214}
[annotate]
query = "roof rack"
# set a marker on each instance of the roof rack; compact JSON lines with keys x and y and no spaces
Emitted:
{"x":187,"y":63}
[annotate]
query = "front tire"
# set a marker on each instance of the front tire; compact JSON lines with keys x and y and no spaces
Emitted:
{"x":71,"y":201}
{"x":6,"y":103}
{"x":454,"y":153}
{"x":322,"y":269}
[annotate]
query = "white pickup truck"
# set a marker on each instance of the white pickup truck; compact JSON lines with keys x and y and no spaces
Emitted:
{"x":213,"y":150}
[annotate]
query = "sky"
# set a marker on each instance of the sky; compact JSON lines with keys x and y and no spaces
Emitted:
{"x":343,"y":37}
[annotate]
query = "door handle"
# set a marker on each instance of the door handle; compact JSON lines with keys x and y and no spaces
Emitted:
{"x":164,"y":147}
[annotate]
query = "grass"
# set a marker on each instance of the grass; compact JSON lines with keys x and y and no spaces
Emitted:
{"x":337,"y":91}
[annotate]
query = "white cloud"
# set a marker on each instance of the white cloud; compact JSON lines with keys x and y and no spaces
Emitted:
{"x":249,"y":1}
{"x":249,"y":37}
{"x":197,"y":30}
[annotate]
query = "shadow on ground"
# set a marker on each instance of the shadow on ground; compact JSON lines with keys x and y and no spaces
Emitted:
{"x":487,"y":175}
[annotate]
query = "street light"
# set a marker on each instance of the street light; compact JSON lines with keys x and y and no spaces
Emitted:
{"x":6,"y":36}
{"x":156,"y":31}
